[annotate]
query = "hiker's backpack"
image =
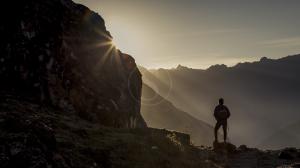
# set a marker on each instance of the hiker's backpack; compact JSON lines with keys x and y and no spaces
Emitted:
{"x":222,"y":113}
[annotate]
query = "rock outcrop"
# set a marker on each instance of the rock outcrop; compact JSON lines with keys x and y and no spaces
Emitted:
{"x":59,"y":53}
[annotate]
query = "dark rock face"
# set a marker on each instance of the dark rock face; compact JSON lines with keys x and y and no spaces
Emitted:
{"x":288,"y":154}
{"x":59,"y":53}
{"x":224,"y":147}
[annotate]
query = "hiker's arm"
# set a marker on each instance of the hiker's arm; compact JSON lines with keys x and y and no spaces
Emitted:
{"x":215,"y":112}
{"x":228,"y":112}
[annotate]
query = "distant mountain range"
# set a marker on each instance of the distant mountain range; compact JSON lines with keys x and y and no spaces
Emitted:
{"x":263,"y":96}
{"x":160,"y":113}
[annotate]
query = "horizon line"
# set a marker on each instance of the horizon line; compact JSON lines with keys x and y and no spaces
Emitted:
{"x":217,"y":64}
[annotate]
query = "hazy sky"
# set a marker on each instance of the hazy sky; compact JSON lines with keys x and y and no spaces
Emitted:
{"x":200,"y":33}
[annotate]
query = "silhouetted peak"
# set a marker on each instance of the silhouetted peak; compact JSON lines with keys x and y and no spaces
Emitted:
{"x":265,"y":59}
{"x":179,"y":67}
{"x":217,"y":67}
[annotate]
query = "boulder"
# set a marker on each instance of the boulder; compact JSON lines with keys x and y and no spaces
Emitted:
{"x":224,"y":147}
{"x":288,"y":154}
{"x":243,"y":148}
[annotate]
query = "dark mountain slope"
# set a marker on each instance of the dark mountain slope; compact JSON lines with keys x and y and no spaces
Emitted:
{"x":160,"y":113}
{"x":289,"y":135}
{"x":60,"y":53}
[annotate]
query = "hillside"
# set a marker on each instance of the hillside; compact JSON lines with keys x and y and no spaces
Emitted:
{"x":290,"y":135}
{"x":160,"y":113}
{"x":262,"y":95}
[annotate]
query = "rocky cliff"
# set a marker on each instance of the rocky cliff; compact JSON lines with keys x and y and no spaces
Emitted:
{"x":59,"y":53}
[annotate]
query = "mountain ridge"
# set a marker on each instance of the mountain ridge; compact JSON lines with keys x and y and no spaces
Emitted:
{"x":262,"y":59}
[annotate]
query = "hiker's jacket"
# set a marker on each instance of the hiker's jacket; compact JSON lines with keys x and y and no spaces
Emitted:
{"x":221,"y":112}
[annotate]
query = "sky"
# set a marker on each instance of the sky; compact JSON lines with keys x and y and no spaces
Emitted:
{"x":201,"y":33}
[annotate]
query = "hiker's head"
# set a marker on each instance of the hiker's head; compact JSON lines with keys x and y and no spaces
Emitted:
{"x":221,"y":101}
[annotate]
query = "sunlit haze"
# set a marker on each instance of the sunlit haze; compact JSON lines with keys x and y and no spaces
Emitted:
{"x":200,"y":33}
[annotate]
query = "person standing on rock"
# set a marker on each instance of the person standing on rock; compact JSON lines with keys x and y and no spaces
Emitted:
{"x":221,"y":114}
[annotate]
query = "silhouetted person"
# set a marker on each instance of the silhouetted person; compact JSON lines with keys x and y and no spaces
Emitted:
{"x":221,"y":114}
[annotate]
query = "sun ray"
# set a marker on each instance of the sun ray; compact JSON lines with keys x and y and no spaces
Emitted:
{"x":104,"y":57}
{"x":104,"y":44}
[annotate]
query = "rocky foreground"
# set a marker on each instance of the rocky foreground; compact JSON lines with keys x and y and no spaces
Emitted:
{"x":35,"y":136}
